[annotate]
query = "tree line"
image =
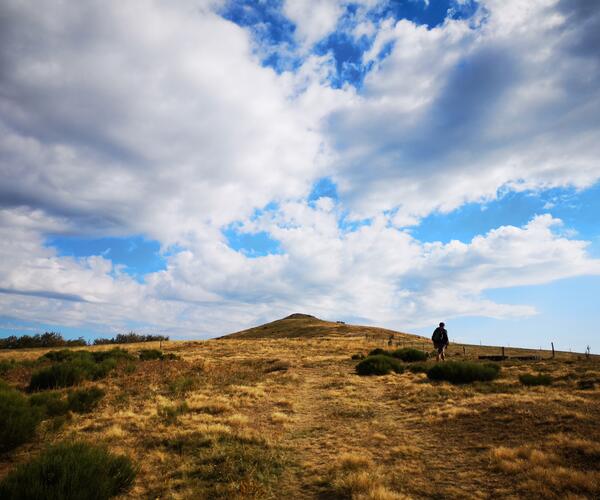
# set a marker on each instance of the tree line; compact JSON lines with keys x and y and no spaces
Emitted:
{"x":55,"y":339}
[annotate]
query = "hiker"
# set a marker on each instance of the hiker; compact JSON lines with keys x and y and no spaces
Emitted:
{"x":440,"y":341}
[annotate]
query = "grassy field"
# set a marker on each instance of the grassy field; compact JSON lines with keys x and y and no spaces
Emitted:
{"x":289,"y":417}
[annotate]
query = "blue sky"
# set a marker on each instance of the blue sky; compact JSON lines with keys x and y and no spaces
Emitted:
{"x":397,"y":163}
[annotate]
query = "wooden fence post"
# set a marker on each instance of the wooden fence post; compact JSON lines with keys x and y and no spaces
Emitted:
{"x":464,"y":351}
{"x":552,"y":344}
{"x":503,"y":351}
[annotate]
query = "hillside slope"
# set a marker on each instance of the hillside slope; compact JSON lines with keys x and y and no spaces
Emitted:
{"x":307,"y":326}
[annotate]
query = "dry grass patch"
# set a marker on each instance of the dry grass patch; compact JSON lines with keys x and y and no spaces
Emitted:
{"x":551,"y":473}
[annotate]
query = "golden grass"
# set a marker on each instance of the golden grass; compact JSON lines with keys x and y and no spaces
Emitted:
{"x":297,"y":406}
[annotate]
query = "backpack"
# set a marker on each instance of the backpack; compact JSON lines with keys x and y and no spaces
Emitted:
{"x":437,"y":335}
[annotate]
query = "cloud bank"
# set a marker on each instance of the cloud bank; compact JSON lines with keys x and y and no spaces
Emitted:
{"x":162,"y":119}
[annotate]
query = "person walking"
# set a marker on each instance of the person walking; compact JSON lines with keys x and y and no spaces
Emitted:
{"x":440,"y":341}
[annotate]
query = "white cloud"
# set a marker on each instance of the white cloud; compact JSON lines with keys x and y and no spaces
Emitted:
{"x":509,"y":98}
{"x":158,"y":119}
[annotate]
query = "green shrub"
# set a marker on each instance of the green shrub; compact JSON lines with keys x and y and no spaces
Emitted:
{"x":379,"y":365}
{"x":419,"y":367}
{"x":150,"y":354}
{"x":73,"y":367}
{"x":530,"y":380}
{"x":6,"y":365}
{"x":64,"y":374}
{"x":463,"y":372}
{"x":52,"y":404}
{"x":358,"y":357}
{"x":85,"y":400}
{"x":70,"y":471}
{"x":379,"y":351}
{"x":18,"y":419}
{"x":409,"y":355}
{"x":116,"y":354}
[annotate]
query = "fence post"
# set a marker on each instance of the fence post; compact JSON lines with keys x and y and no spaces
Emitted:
{"x":503,"y":351}
{"x":464,"y":351}
{"x":552,"y":344}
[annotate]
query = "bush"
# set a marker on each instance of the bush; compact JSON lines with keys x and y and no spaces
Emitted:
{"x":70,"y":471}
{"x":409,"y":355}
{"x":379,"y":351}
{"x":463,"y":372}
{"x":358,"y":357}
{"x":150,"y":354}
{"x":52,"y":404}
{"x":419,"y":367}
{"x":379,"y":365}
{"x":530,"y":380}
{"x":116,"y":354}
{"x":75,"y":366}
{"x":85,"y":400}
{"x":6,"y":365}
{"x":64,"y":374}
{"x":18,"y":419}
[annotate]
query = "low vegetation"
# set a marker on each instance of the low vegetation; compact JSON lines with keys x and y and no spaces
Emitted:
{"x":70,"y":471}
{"x":289,"y":418}
{"x":379,"y":364}
{"x":407,"y":354}
{"x":532,"y":380}
{"x":463,"y":372}
{"x":410,"y":355}
{"x":155,"y":354}
{"x":18,"y":420}
{"x":73,"y":367}
{"x":84,"y":400}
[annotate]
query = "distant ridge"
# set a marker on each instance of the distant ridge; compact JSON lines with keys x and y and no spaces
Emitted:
{"x":300,"y":325}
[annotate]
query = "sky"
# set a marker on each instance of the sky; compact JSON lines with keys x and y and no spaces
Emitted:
{"x":196,"y":167}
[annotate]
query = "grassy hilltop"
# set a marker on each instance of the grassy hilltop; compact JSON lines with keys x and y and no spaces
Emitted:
{"x":279,"y":411}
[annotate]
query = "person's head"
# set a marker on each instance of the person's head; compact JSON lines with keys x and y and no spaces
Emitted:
{"x":442,"y":324}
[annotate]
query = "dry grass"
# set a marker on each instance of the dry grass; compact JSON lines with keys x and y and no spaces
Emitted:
{"x":275,"y":418}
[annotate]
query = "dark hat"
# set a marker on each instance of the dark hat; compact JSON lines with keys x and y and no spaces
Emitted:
{"x":442,"y":324}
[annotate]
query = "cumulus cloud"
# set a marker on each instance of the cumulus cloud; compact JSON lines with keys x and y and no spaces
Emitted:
{"x":158,"y":118}
{"x":140,"y":118}
{"x":508,"y":98}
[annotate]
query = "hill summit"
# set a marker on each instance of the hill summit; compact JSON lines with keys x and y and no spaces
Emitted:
{"x":300,"y":325}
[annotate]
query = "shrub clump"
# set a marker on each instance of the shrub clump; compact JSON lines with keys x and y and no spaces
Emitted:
{"x":18,"y":420}
{"x":530,"y":379}
{"x":378,"y":351}
{"x":63,"y":374}
{"x":358,"y":357}
{"x":410,"y":355}
{"x":154,"y":354}
{"x":70,"y":471}
{"x":150,"y":354}
{"x":73,"y":367}
{"x":379,"y":365}
{"x":84,"y":400}
{"x":463,"y":372}
{"x":52,"y":404}
{"x":419,"y":367}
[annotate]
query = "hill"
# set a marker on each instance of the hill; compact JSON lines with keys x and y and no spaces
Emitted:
{"x":306,"y":326}
{"x":291,"y":418}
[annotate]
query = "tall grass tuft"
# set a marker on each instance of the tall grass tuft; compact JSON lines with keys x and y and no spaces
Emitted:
{"x":85,"y":400}
{"x":18,"y":420}
{"x":463,"y":372}
{"x":532,"y":380}
{"x":379,"y":365}
{"x":70,"y":471}
{"x":409,"y":355}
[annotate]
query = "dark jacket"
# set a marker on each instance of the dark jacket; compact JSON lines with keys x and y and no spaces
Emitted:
{"x":440,"y":336}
